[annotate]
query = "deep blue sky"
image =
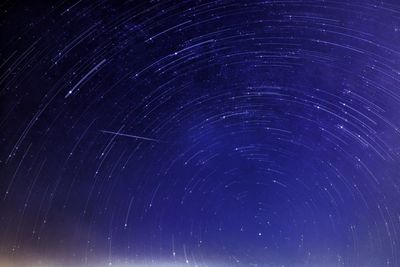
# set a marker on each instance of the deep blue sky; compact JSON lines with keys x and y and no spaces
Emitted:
{"x":200,"y":133}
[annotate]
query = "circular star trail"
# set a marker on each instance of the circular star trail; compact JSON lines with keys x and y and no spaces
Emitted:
{"x":200,"y":133}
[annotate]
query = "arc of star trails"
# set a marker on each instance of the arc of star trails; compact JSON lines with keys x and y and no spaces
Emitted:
{"x":131,"y":136}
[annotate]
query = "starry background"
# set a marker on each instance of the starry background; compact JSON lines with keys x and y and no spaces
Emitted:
{"x":200,"y":133}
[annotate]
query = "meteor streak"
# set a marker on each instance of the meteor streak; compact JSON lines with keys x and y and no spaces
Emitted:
{"x":131,"y":136}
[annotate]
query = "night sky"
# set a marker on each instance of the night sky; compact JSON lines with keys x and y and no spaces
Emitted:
{"x":200,"y":133}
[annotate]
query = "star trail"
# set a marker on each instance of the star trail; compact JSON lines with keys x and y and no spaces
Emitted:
{"x":200,"y":133}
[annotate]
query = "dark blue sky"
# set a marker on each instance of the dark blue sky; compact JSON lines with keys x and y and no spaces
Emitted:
{"x":200,"y":133}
